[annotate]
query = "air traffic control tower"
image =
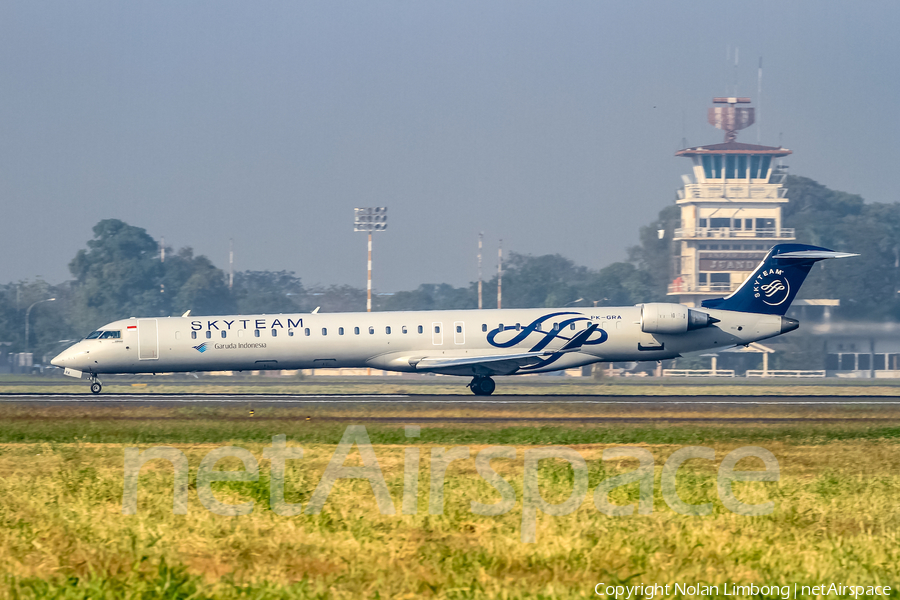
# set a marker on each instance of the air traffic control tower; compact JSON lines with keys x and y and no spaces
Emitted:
{"x":730,"y":209}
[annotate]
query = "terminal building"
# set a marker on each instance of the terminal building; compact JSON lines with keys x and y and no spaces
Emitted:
{"x":730,"y":209}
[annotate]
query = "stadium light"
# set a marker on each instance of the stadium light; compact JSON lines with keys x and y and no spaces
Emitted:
{"x":369,"y":220}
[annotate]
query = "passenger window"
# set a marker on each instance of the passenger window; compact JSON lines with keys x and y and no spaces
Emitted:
{"x":538,"y":327}
{"x":518,"y":327}
{"x":572,"y":326}
{"x":387,"y":330}
{"x":371,"y":330}
{"x":193,"y":335}
{"x":356,"y":330}
{"x":437,"y":328}
{"x":484,"y":326}
{"x":240,"y":333}
{"x":459,"y":329}
{"x":274,"y":333}
{"x":340,"y":331}
{"x":324,"y":331}
{"x":290,"y":333}
{"x":111,"y":335}
{"x":256,"y":333}
{"x":556,"y":327}
{"x":420,"y":329}
{"x":208,"y":334}
{"x":403,"y":329}
{"x":502,"y":328}
{"x":224,"y":334}
{"x":177,"y":335}
{"x":306,"y":331}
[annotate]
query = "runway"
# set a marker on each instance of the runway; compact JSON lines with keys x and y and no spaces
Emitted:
{"x":458,"y":409}
{"x":450,"y":400}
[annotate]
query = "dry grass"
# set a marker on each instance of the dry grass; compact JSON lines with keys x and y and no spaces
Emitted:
{"x":62,"y":532}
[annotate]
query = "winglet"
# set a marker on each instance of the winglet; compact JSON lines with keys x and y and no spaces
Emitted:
{"x":576,"y":342}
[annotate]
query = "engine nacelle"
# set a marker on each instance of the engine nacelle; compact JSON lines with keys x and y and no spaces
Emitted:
{"x":662,"y":317}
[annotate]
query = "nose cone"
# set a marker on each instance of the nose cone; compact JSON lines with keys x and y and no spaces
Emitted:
{"x":70,"y":357}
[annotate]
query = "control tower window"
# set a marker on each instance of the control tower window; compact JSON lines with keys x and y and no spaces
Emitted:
{"x":719,"y":223}
{"x":712,"y":166}
{"x":759,"y":166}
{"x":701,"y":223}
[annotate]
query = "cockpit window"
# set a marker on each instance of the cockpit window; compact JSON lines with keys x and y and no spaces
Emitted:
{"x":93,"y":335}
{"x":111,"y":335}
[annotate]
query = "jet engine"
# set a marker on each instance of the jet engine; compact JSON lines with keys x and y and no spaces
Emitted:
{"x":662,"y":317}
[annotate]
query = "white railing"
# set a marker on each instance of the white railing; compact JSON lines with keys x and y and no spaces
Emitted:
{"x":784,"y":373}
{"x":708,"y":288}
{"x":698,"y":373}
{"x":690,"y":233}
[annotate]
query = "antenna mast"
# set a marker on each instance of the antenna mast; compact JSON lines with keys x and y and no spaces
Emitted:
{"x":480,"y":237}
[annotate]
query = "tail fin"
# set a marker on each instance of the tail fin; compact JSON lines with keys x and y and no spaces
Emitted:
{"x":772,"y":286}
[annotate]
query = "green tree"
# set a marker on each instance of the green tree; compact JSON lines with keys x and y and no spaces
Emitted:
{"x":268,"y":292}
{"x":119,"y":275}
{"x":867,"y":286}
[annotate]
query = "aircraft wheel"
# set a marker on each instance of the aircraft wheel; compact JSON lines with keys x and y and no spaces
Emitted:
{"x":96,"y":387}
{"x":482,"y":386}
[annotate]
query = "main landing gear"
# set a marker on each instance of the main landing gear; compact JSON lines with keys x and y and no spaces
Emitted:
{"x":95,"y":385}
{"x":482,"y":386}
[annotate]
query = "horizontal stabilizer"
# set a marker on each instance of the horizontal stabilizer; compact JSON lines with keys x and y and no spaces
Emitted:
{"x":815,"y":254}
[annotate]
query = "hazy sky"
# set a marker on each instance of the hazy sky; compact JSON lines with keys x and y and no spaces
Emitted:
{"x":551,"y":125}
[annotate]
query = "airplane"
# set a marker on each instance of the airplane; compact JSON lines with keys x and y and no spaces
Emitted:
{"x":480,"y":344}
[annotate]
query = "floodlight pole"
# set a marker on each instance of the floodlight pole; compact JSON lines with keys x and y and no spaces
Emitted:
{"x":500,"y":275}
{"x":480,"y":236}
{"x":369,"y":280}
{"x":370,"y":220}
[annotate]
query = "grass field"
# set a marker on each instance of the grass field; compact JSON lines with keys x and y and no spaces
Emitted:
{"x":63,"y":534}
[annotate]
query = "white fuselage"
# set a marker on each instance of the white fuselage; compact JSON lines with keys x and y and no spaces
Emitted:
{"x":398,"y":341}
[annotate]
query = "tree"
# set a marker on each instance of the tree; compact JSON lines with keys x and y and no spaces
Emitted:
{"x":118,"y":276}
{"x":867,"y":287}
{"x":268,"y":292}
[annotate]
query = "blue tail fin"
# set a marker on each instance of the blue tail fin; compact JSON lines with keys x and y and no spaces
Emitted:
{"x":772,"y":286}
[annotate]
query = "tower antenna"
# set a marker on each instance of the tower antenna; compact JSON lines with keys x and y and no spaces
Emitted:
{"x":758,"y":102}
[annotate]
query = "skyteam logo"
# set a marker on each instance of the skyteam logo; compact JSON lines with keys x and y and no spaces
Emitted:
{"x":772,"y":287}
{"x":201,"y":348}
{"x":545,"y":332}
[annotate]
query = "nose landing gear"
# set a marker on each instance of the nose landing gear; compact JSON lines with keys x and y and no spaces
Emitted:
{"x":95,"y":385}
{"x":482,"y":386}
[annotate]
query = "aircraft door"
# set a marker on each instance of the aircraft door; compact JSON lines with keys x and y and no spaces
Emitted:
{"x":437,"y":334}
{"x":148,"y":339}
{"x":459,"y":332}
